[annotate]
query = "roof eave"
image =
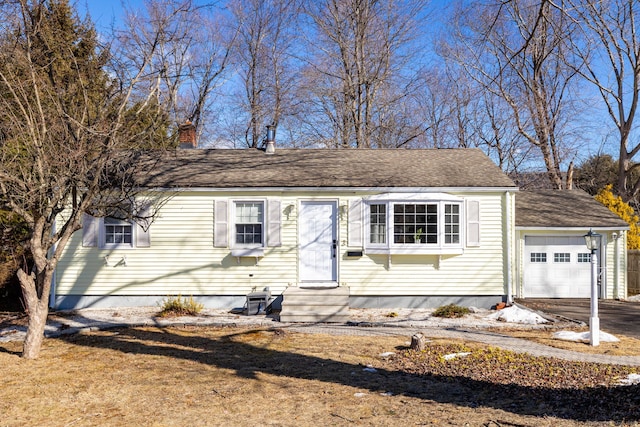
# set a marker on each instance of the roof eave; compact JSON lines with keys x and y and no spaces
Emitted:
{"x":340,"y":189}
{"x":573,"y":228}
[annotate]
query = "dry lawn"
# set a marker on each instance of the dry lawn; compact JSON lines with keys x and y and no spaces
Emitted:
{"x":627,"y":346}
{"x":223,"y":376}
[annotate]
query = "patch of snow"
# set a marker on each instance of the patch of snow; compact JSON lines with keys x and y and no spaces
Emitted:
{"x":370,"y":369}
{"x":632,"y":379}
{"x":515,"y":314}
{"x":454,"y":355}
{"x":634,"y":298}
{"x":360,"y":394}
{"x":387,"y":354}
{"x":12,"y":334}
{"x":582,"y":336}
{"x":386,"y":393}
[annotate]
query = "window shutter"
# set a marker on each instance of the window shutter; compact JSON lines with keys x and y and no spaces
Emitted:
{"x":355,"y":224}
{"x":143,"y":235}
{"x":220,"y":224}
{"x":89,"y":231}
{"x":274,"y":221}
{"x":473,"y":223}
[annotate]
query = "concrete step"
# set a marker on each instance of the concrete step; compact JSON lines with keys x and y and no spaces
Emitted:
{"x":306,"y":290}
{"x":315,"y":305}
{"x":319,"y":309}
{"x":315,"y":299}
{"x":313,"y":318}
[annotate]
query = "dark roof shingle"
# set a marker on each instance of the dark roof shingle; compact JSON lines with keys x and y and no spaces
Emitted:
{"x":563,"y":208}
{"x":251,"y":168}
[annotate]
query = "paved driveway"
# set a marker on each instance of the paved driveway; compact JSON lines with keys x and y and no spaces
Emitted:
{"x":616,"y":317}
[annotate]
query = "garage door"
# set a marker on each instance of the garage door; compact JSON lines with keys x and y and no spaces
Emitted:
{"x":556,"y":267}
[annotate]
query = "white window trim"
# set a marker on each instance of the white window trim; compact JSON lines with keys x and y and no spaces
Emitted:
{"x":242,"y":247}
{"x":441,"y":248}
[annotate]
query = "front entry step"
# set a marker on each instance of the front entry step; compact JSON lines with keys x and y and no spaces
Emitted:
{"x":315,"y":305}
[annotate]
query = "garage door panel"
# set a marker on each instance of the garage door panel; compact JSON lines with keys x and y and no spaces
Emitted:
{"x":553,"y":279}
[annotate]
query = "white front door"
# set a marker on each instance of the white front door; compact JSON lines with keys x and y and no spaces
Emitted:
{"x":318,"y":243}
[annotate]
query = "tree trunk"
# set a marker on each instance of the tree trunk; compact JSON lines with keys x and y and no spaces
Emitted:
{"x":37,"y":304}
{"x":418,"y":342}
{"x":35,"y":331}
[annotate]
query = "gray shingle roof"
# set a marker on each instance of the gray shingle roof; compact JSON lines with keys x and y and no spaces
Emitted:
{"x":563,"y":208}
{"x":251,"y":168}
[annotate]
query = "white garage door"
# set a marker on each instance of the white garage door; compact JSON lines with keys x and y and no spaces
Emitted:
{"x":556,"y":267}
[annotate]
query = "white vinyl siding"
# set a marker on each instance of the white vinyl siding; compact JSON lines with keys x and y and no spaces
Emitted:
{"x":184,"y":258}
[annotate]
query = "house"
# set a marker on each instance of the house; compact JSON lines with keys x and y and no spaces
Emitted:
{"x":552,"y":259}
{"x":322,"y":230}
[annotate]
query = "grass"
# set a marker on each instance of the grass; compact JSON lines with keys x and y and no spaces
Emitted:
{"x":450,"y":311}
{"x":177,"y":306}
{"x":247,"y":376}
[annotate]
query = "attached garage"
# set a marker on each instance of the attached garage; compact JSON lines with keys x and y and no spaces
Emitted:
{"x":552,"y":258}
{"x":556,"y":267}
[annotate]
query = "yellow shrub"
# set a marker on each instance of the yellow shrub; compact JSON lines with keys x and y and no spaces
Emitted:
{"x":624,"y":211}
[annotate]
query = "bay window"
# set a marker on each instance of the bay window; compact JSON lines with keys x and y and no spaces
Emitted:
{"x":433,"y":226}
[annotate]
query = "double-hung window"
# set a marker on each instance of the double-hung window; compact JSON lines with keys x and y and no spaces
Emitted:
{"x":249,"y":223}
{"x":378,"y":224}
{"x":117,"y":232}
{"x":408,"y":226}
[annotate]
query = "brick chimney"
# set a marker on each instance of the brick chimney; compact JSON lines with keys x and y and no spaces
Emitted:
{"x":187,"y":135}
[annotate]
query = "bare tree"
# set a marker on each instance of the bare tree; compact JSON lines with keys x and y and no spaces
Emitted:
{"x":191,"y":47}
{"x":358,"y":48}
{"x":609,"y":49}
{"x":516,"y":51}
{"x":264,"y":59}
{"x":71,"y":133}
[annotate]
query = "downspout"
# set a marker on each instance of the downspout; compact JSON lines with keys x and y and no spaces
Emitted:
{"x":616,"y":270}
{"x":508,"y":249}
{"x":52,"y":293}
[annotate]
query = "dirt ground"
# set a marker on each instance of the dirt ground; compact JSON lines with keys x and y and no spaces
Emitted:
{"x":208,"y":376}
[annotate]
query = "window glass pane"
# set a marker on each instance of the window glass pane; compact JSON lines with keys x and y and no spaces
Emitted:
{"x":117,"y":231}
{"x":249,"y":217}
{"x":415,"y":223}
{"x":584,"y":257}
{"x":452,"y":223}
{"x":538,"y":257}
{"x":562,"y":257}
{"x":378,"y":221}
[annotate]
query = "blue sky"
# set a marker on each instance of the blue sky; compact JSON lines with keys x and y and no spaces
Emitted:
{"x":104,"y":12}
